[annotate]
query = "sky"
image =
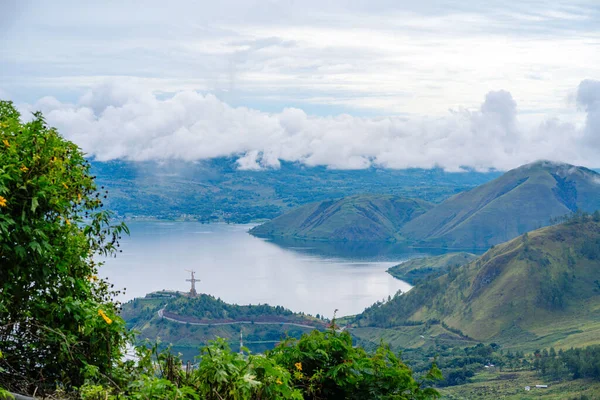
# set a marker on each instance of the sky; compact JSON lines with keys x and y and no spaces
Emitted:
{"x":346,"y":84}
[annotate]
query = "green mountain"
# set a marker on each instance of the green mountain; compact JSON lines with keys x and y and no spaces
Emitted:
{"x":541,"y":289}
{"x":416,"y":269}
{"x":521,"y":200}
{"x":355,"y":218}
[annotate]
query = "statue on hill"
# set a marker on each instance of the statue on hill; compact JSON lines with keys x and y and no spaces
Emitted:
{"x":193,"y":281}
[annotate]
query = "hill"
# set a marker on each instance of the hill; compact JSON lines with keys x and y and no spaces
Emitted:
{"x":416,"y":269}
{"x":355,"y":218}
{"x":537,"y":290}
{"x":187,"y":323}
{"x":217,"y":190}
{"x":519,"y":201}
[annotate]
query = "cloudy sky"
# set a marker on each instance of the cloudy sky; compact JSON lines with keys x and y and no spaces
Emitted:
{"x":346,"y":84}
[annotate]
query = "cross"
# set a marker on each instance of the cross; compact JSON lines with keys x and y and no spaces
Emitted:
{"x":193,"y":292}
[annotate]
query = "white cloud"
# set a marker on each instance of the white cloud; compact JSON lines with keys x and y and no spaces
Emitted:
{"x":124,"y":121}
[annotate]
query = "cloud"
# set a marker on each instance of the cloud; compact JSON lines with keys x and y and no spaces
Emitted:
{"x":125,"y":121}
{"x":588,"y":98}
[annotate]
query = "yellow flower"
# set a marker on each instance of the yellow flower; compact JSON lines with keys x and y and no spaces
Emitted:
{"x":105,"y":317}
{"x":279,"y":381}
{"x":67,"y":221}
{"x":24,"y":168}
{"x":79,"y":197}
{"x":2,"y":202}
{"x":6,"y":143}
{"x":298,"y":366}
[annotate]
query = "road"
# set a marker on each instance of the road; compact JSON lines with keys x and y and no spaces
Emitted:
{"x":161,"y":315}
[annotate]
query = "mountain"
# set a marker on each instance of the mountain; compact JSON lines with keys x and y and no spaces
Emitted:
{"x":416,"y":269}
{"x":522,"y":199}
{"x":355,"y":218}
{"x":218,"y":190}
{"x":541,"y":289}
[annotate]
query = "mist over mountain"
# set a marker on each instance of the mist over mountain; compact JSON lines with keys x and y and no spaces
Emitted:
{"x":216,"y":190}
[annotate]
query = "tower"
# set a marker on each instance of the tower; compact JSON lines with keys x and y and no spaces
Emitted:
{"x":193,"y":280}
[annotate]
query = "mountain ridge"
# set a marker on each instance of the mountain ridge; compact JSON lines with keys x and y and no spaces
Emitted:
{"x":542,"y":288}
{"x":521,"y":200}
{"x":353,"y":218}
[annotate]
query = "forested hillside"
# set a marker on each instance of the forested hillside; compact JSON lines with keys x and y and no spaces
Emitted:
{"x":217,"y":190}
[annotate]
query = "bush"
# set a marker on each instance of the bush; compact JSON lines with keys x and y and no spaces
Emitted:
{"x":56,"y":316}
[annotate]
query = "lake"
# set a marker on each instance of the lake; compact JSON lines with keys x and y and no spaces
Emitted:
{"x":315,"y":278}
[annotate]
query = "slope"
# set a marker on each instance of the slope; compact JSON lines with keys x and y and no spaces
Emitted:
{"x":354,"y":218}
{"x":522,"y":199}
{"x":188,"y":323}
{"x":540,"y":289}
{"x":219,"y":190}
{"x":418,"y":268}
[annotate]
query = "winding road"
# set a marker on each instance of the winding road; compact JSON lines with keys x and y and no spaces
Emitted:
{"x":161,"y":315}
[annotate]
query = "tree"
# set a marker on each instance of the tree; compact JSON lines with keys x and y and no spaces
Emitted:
{"x":57,"y":319}
{"x":325,"y":365}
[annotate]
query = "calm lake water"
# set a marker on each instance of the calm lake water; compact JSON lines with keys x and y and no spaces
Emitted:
{"x":315,"y":278}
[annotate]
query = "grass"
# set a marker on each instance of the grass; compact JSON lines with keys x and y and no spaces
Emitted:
{"x":532,"y":292}
{"x":413,"y":270}
{"x":369,"y":218}
{"x":511,"y":386}
{"x":519,"y":201}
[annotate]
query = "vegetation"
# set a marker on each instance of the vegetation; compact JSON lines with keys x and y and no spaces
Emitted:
{"x":59,"y":325}
{"x":569,"y":364}
{"x":142,"y":316}
{"x":216,"y":190}
{"x":519,"y":201}
{"x":56,"y":317}
{"x":207,"y":307}
{"x":356,"y":218}
{"x":416,"y":269}
{"x":540,"y":289}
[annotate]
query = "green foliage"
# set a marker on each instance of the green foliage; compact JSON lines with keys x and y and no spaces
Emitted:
{"x":5,"y":395}
{"x":56,"y":316}
{"x":325,"y":365}
{"x":207,"y":307}
{"x":318,"y":366}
